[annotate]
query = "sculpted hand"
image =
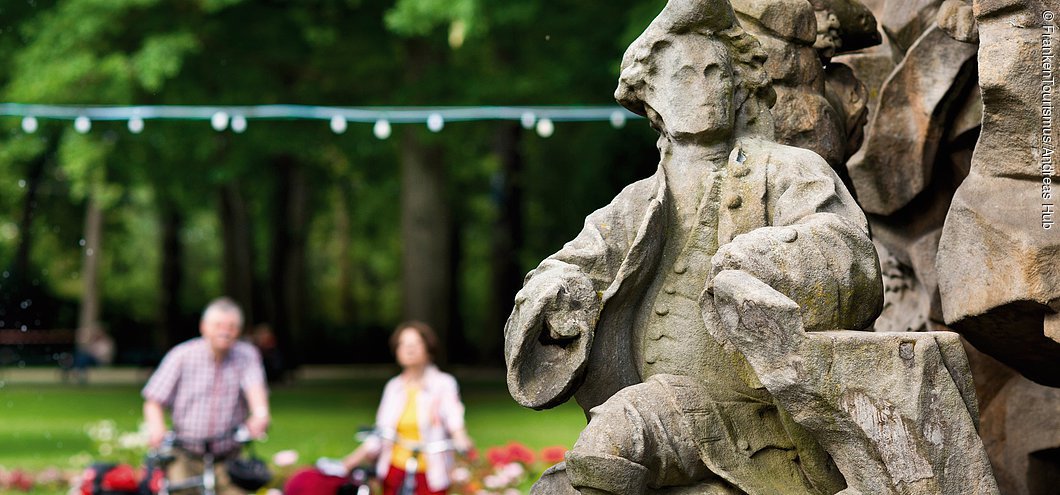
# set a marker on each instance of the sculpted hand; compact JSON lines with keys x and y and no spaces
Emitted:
{"x":549,"y":335}
{"x":756,"y":253}
{"x":566,"y":316}
{"x":565,"y":303}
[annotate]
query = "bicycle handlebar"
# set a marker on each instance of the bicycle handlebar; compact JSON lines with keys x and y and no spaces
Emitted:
{"x":239,"y":433}
{"x":435,"y":447}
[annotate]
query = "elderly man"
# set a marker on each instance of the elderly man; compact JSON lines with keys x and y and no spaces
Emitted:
{"x":619,"y":317}
{"x":212,"y":384}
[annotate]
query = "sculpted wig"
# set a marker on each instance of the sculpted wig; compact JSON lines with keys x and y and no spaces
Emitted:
{"x":685,"y":20}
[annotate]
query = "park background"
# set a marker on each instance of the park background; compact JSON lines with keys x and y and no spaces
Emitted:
{"x":328,"y":238}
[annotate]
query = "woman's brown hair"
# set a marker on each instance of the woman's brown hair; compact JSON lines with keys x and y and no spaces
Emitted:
{"x":426,"y":333}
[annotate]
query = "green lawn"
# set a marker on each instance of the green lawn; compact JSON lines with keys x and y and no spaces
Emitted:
{"x":43,"y":426}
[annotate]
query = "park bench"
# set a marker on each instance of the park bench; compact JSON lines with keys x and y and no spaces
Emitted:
{"x":18,"y":345}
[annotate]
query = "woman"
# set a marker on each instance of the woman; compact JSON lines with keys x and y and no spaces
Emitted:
{"x":419,"y":406}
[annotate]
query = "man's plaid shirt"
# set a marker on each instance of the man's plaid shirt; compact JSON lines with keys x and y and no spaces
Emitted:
{"x":205,"y":397}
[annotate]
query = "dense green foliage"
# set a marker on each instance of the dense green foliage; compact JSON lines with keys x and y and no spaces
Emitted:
{"x":173,"y":176}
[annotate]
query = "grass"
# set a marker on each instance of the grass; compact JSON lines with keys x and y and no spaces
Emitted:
{"x":42,"y":426}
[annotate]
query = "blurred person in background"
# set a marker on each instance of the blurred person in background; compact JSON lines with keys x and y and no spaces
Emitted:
{"x":94,"y":348}
{"x":211,"y":384}
{"x":419,"y":406}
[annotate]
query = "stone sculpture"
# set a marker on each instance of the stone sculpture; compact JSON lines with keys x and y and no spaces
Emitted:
{"x":643,"y":317}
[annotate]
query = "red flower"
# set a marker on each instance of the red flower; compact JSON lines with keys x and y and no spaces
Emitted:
{"x":518,"y":452}
{"x":552,"y":455}
{"x":21,"y":480}
{"x":472,"y":454}
{"x":497,"y":456}
{"x":120,"y":479}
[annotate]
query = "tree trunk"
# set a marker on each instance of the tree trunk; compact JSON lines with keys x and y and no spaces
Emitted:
{"x":20,"y":268}
{"x":505,"y":274}
{"x":343,"y":227}
{"x":90,"y":295}
{"x":425,"y":236}
{"x":173,"y":329}
{"x":17,"y":290}
{"x":289,"y":250}
{"x":238,"y":251}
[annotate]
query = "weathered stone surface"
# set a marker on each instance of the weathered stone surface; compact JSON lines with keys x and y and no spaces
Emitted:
{"x":803,"y":115}
{"x":905,"y":424}
{"x":905,"y":21}
{"x":906,"y":301}
{"x":896,"y":162}
{"x":789,"y":19}
{"x":871,"y":67}
{"x":957,"y":19}
{"x":850,"y":98}
{"x":1020,"y":427}
{"x":855,"y":25}
{"x":807,"y":120}
{"x":788,"y":63}
{"x":998,"y":275}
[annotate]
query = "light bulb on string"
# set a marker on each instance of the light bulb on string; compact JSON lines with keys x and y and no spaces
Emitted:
{"x":29,"y":124}
{"x":239,"y":124}
{"x":435,"y":122}
{"x":381,"y":129}
{"x":618,"y":119}
{"x":136,"y":125}
{"x":338,"y":124}
{"x":527,"y":120}
{"x":82,"y":124}
{"x":545,"y":128}
{"x":219,"y":121}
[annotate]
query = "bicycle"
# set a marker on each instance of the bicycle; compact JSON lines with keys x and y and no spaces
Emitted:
{"x":206,"y":482}
{"x":358,"y":480}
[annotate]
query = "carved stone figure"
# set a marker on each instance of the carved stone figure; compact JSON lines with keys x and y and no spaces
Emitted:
{"x":686,"y":318}
{"x":620,"y":317}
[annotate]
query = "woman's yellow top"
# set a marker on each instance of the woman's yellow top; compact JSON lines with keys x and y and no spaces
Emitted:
{"x":408,"y":430}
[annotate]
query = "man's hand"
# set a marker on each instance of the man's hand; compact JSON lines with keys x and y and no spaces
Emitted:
{"x":155,"y":435}
{"x":155,"y":419}
{"x":258,"y":400}
{"x":257,"y":425}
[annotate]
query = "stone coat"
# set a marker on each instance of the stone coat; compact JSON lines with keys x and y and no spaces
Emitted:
{"x":778,"y":195}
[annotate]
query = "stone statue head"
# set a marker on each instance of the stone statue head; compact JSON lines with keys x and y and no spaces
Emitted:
{"x":697,"y":75}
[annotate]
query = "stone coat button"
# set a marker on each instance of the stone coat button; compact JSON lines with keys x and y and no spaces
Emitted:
{"x":670,"y":290}
{"x":735,"y":202}
{"x":661,"y":310}
{"x":742,"y":444}
{"x":788,"y":235}
{"x":679,"y":269}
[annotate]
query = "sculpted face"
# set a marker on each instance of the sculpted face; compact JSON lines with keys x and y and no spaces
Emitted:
{"x":691,"y":89}
{"x":221,"y":329}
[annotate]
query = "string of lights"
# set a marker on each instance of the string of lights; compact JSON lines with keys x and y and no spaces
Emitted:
{"x":540,"y":118}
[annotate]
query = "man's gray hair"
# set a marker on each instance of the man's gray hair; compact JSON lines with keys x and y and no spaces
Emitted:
{"x":223,"y":305}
